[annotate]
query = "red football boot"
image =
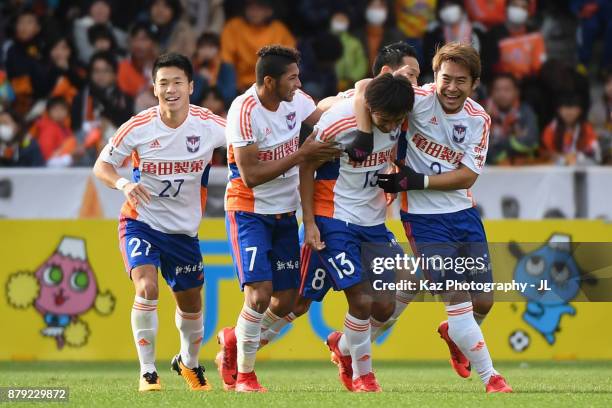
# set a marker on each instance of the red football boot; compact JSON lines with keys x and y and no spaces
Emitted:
{"x":497,"y":383}
{"x":458,"y":360}
{"x":366,"y":383}
{"x":247,"y":382}
{"x":227,"y":358}
{"x":344,"y":363}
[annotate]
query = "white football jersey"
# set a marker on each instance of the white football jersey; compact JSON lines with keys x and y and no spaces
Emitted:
{"x":438,"y":142}
{"x":344,"y":189}
{"x":277,"y":135}
{"x":172,"y":164}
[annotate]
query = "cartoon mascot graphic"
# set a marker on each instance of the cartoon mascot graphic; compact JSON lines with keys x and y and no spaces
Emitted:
{"x":553,"y":262}
{"x":62,"y":289}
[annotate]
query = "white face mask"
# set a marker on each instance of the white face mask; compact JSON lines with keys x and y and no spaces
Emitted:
{"x":517,"y":15}
{"x":450,"y":14}
{"x":376,"y":16}
{"x":6,"y":133}
{"x":338,"y":26}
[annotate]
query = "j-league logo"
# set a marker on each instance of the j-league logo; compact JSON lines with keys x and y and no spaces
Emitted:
{"x":459,"y":133}
{"x":193,"y":143}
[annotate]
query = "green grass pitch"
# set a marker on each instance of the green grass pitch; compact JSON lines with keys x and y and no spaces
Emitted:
{"x":313,"y":384}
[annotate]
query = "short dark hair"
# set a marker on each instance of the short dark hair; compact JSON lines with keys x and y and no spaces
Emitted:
{"x":209,"y":38}
{"x":392,"y":56}
{"x":100,"y":31}
{"x":505,"y":75}
{"x":392,"y":94}
{"x":144,"y":27}
{"x":273,"y":61}
{"x":173,"y":59}
{"x":106,"y":56}
{"x":56,"y":101}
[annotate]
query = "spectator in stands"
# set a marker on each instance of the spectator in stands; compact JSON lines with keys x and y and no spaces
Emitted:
{"x":491,"y":12}
{"x":214,"y":101}
{"x":353,"y":64}
{"x":63,"y":75}
{"x":205,"y":15}
{"x":242,"y":36}
{"x":102,"y":38}
{"x":521,"y":48}
{"x":313,"y":16}
{"x":601,"y":118}
{"x":319,"y":57}
{"x":211,"y":71}
{"x":99,"y":12}
{"x":134,"y":73}
{"x":570,"y":139}
{"x":595,"y":18}
{"x":100,"y":107}
{"x":24,"y":62}
{"x":514,"y":132}
{"x":413,"y":17}
{"x":52,"y":131}
{"x":174,"y":34}
{"x":379,"y":29}
{"x":453,"y":25}
{"x":17,"y":147}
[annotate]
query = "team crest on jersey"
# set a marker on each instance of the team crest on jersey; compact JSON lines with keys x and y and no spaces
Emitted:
{"x":459,"y":132}
{"x":291,"y":120}
{"x":193,"y":143}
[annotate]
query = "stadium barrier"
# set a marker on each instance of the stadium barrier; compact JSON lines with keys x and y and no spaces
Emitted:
{"x":501,"y":193}
{"x":90,"y":318}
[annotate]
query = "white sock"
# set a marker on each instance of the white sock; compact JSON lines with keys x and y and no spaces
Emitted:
{"x":248,"y":330}
{"x":144,"y":329}
{"x":376,"y":328}
{"x":343,"y":345}
{"x":191,"y":329}
{"x":357,"y":334}
{"x":273,"y":329}
{"x":465,"y":332}
{"x":402,"y":300}
{"x":479,"y":317}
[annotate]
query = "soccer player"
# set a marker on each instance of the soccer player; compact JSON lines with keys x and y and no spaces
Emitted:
{"x":171,"y":146}
{"x":343,"y":209}
{"x":397,"y":58}
{"x":447,"y":145}
{"x":260,"y":202}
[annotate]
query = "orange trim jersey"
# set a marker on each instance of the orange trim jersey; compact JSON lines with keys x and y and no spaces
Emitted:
{"x":344,"y":189}
{"x":438,"y":142}
{"x":277,"y":136}
{"x":172,"y":164}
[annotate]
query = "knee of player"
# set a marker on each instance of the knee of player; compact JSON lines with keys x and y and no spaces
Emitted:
{"x":147,"y":289}
{"x":301,"y":307}
{"x":482,"y":304}
{"x":383,"y":312}
{"x":259,"y":300}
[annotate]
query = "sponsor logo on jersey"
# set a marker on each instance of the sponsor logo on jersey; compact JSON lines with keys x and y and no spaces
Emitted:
{"x":280,"y":151}
{"x":375,"y":159}
{"x":436,"y":150}
{"x":172,"y":167}
{"x":459,"y":132}
{"x":291,"y":120}
{"x":155,"y":144}
{"x":193,"y":143}
{"x":433,"y":121}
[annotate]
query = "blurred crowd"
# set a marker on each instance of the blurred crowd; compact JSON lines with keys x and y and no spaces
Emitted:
{"x":71,"y":72}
